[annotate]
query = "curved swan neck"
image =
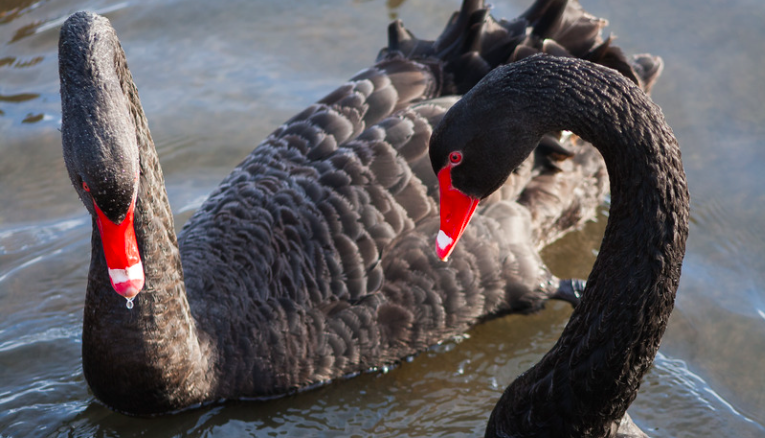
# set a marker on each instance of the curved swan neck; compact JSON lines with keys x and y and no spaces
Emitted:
{"x":153,"y":347}
{"x":584,"y":385}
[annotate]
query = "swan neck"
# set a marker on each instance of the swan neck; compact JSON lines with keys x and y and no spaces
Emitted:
{"x":146,"y":359}
{"x":584,"y":385}
{"x":161,"y":365}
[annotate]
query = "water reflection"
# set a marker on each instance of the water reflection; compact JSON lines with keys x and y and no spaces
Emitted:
{"x":12,"y":9}
{"x":22,"y":97}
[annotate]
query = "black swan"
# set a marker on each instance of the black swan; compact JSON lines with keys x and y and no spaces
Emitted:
{"x":583,"y":386}
{"x":312,"y":260}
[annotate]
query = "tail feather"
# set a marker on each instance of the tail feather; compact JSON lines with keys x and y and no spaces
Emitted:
{"x":611,"y":56}
{"x":648,"y":69}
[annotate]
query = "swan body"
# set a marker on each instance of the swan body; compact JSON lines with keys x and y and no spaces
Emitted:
{"x":313,"y":259}
{"x":583,"y":386}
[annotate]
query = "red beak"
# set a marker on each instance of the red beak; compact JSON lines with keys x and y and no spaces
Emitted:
{"x":121,"y":252}
{"x":456,"y":210}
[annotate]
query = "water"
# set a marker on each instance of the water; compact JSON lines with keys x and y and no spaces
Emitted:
{"x":216,"y":77}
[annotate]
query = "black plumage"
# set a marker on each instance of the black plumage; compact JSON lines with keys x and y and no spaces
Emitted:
{"x":314,"y":258}
{"x":583,"y":386}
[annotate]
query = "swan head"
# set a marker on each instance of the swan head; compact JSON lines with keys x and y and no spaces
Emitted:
{"x":473,"y":151}
{"x":99,"y":141}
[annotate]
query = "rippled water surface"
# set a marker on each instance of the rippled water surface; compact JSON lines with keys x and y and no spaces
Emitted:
{"x":216,"y":77}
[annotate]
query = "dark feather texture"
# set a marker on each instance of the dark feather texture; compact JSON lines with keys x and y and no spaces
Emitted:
{"x":583,"y":386}
{"x":314,"y":258}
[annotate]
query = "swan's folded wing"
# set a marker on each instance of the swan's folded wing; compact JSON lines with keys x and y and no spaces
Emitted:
{"x":563,"y":197}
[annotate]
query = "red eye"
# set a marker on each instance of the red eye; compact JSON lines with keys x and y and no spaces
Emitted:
{"x":85,"y":186}
{"x":455,"y":157}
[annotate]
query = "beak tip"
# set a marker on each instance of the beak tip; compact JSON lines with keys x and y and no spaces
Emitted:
{"x":128,"y":282}
{"x":129,"y":289}
{"x":442,"y":254}
{"x":444,"y":245}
